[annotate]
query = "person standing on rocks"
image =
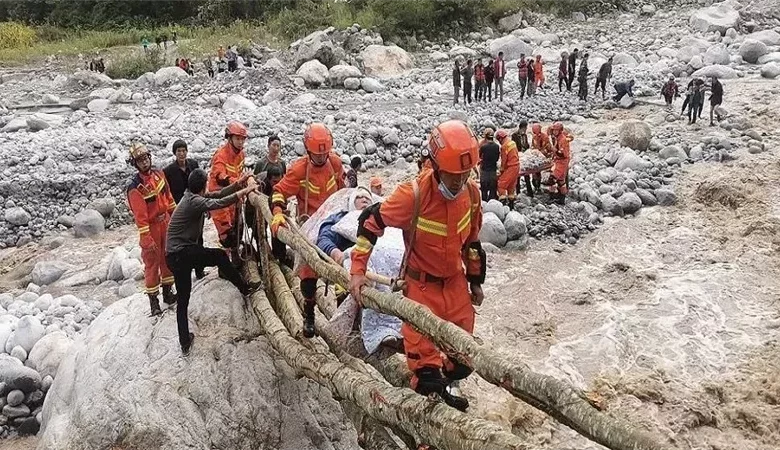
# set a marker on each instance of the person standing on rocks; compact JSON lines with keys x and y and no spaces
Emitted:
{"x":605,"y":74}
{"x":227,"y":165}
{"x":510,"y":169}
{"x":688,"y":96}
{"x":561,"y":156}
{"x":271,"y":159}
{"x":582,"y":78}
{"x":311,"y":179}
{"x":151,"y":203}
{"x":670,"y":91}
{"x":221,"y":52}
{"x":539,"y":71}
{"x":479,"y":79}
{"x":499,"y":72}
{"x":489,"y":153}
{"x":184,"y":250}
{"x":467,"y":73}
{"x":489,"y":77}
{"x":522,"y":74}
{"x":232,"y":59}
{"x":354,"y":165}
{"x":444,"y":265}
{"x":697,"y":101}
{"x":520,"y":137}
{"x":572,"y":68}
{"x":145,"y":44}
{"x":456,"y":81}
{"x":716,"y":98}
{"x":209,"y":67}
{"x":530,"y":69}
{"x":563,"y":71}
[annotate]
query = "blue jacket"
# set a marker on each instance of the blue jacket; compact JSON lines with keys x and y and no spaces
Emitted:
{"x":328,"y":240}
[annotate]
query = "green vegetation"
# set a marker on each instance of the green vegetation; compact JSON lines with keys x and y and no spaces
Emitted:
{"x":135,"y":64}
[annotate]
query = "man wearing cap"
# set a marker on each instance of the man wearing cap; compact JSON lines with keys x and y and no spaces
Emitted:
{"x":375,"y":186}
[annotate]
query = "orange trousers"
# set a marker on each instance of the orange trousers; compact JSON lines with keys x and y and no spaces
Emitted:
{"x":507,"y":182}
{"x":451,"y":302}
{"x":560,"y":175}
{"x":156,"y":270}
{"x":223,"y":220}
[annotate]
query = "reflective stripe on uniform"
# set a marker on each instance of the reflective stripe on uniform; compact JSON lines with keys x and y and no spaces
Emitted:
{"x":155,"y":191}
{"x":433,"y":227}
{"x":144,"y":229}
{"x":363,"y":245}
{"x":465,"y":221}
{"x":331,"y":183}
{"x":153,"y":289}
{"x":311,"y":187}
{"x":167,"y":281}
{"x":277,"y":198}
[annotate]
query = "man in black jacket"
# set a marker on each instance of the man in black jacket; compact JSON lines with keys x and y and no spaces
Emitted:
{"x":489,"y":153}
{"x":572,"y":68}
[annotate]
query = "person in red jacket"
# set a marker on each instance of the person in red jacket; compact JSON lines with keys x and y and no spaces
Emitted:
{"x":227,"y":164}
{"x":444,"y":265}
{"x":151,"y":203}
{"x":561,"y":156}
{"x":311,"y":180}
{"x":510,"y":169}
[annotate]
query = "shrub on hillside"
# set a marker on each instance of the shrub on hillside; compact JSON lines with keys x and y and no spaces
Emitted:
{"x":16,"y":35}
{"x":135,"y":65}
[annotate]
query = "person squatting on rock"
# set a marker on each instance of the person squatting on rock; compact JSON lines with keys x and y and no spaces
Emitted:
{"x":561,"y":156}
{"x":311,"y":179}
{"x":604,"y":75}
{"x":467,"y":73}
{"x":489,"y":153}
{"x":510,"y":169}
{"x":522,"y":74}
{"x":670,"y":91}
{"x":623,"y":88}
{"x":563,"y":71}
{"x":151,"y":203}
{"x":520,"y":138}
{"x":352,"y":174}
{"x":176,"y":175}
{"x":227,"y":165}
{"x":185,"y":250}
{"x":499,"y":72}
{"x":582,"y":78}
{"x":572,"y":68}
{"x":440,"y":213}
{"x":456,"y":81}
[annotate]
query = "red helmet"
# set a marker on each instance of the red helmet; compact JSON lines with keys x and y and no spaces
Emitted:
{"x":501,"y":135}
{"x":454,"y":147}
{"x":536,"y":128}
{"x":235,"y":128}
{"x":318,"y":139}
{"x":556,"y":127}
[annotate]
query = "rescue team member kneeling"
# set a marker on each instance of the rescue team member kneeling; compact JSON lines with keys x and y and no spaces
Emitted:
{"x":445,"y":221}
{"x":150,"y":200}
{"x":185,"y":250}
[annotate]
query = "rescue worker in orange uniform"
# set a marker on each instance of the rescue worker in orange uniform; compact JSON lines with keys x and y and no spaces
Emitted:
{"x":311,"y":180}
{"x":440,"y":213}
{"x":151,"y":203}
{"x":559,"y":179}
{"x":227,"y":164}
{"x":510,"y":169}
{"x":540,"y":141}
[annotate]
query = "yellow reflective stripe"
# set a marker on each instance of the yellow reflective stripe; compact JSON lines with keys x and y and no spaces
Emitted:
{"x":312,"y":188}
{"x":167,"y":281}
{"x":277,"y":197}
{"x":363,"y":245}
{"x":142,"y":230}
{"x":153,"y":289}
{"x":432,"y":227}
{"x":155,"y":191}
{"x":331,"y":183}
{"x":465,"y":221}
{"x":473,"y":254}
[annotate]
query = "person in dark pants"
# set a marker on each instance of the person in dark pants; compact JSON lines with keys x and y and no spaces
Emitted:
{"x":456,"y":81}
{"x":697,"y":101}
{"x":688,"y":95}
{"x":522,"y":74}
{"x":531,"y":83}
{"x":716,"y":98}
{"x":184,"y":251}
{"x":572,"y":68}
{"x":489,"y":77}
{"x":582,"y":78}
{"x":467,"y":73}
{"x":563,"y":72}
{"x":521,"y":140}
{"x":605,"y":74}
{"x":489,"y":152}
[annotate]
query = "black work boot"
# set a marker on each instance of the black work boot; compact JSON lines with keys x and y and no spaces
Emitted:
{"x":154,"y":304}
{"x":511,"y":204}
{"x":185,"y":348}
{"x":430,"y":381}
{"x":168,"y":295}
{"x":308,"y":319}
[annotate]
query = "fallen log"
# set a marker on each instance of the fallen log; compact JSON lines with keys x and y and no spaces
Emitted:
{"x":425,"y":419}
{"x":550,"y":395}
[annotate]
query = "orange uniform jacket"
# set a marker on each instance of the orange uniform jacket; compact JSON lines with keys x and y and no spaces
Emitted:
{"x":226,"y":169}
{"x":539,"y":72}
{"x":542,"y":143}
{"x":510,"y":169}
{"x":303,"y":176}
{"x":561,"y":155}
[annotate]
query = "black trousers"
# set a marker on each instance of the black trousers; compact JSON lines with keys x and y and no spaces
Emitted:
{"x":561,"y":82}
{"x":488,"y":184}
{"x":531,"y":182}
{"x":695,"y":111}
{"x":570,"y":80}
{"x":182,"y":263}
{"x":466,"y":92}
{"x":489,"y":89}
{"x":601,"y":83}
{"x":583,"y":92}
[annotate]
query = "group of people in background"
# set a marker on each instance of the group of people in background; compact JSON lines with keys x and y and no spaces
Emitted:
{"x":693,"y":105}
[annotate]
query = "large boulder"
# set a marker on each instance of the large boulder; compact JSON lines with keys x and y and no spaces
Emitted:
{"x":17,"y":216}
{"x":318,"y":46}
{"x":611,"y":206}
{"x":168,"y":75}
{"x":717,"y":54}
{"x":337,"y":74}
{"x":47,"y":272}
{"x":719,"y":17}
{"x":770,"y":70}
{"x":88,"y":223}
{"x":105,"y":206}
{"x":29,"y":330}
{"x":751,"y":50}
{"x":15,"y":124}
{"x":273,"y":95}
{"x":371,"y":85}
{"x":673,"y":151}
{"x":769,"y":57}
{"x":624,"y":59}
{"x":492,"y":230}
{"x":717,"y":70}
{"x":768,"y":37}
{"x":238,"y":102}
{"x":635,"y":134}
{"x":89,"y":78}
{"x":630,"y":202}
{"x":515,"y":225}
{"x":14,"y":375}
{"x":48,"y":353}
{"x":383,"y":60}
{"x":124,"y":383}
{"x":511,"y":45}
{"x":313,"y":73}
{"x":665,"y":196}
{"x":511,"y":22}
{"x":98,"y":105}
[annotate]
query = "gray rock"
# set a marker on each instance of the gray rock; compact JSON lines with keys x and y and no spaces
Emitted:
{"x":303,"y":100}
{"x":768,"y":37}
{"x":493,"y":230}
{"x":770,"y":70}
{"x":719,"y":17}
{"x":130,"y":268}
{"x":98,"y":105}
{"x":518,"y":245}
{"x":127,"y":289}
{"x":37,"y":124}
{"x":515,"y":225}
{"x":751,"y":50}
{"x":15,"y":397}
{"x":66,"y":220}
{"x":17,"y":216}
{"x":666,"y":197}
{"x":313,"y":73}
{"x":495,"y":207}
{"x":353,"y":84}
{"x":627,"y":102}
{"x":717,"y":70}
{"x":630,"y":202}
{"x":511,"y":45}
{"x":47,"y":272}
{"x":111,"y":382}
{"x":716,"y":54}
{"x":27,"y":333}
{"x":16,"y":376}
{"x":371,"y":85}
{"x":381,"y":60}
{"x":105,"y":206}
{"x":635,"y":134}
{"x":46,"y":383}
{"x":611,"y":206}
{"x":391,"y":138}
{"x":273,"y":95}
{"x":238,"y":102}
{"x":89,"y":223}
{"x":29,"y":426}
{"x":490,"y":248}
{"x":647,"y":197}
{"x":16,"y":124}
{"x":48,"y":353}
{"x":169,"y":75}
{"x":19,"y":353}
{"x":50,"y":99}
{"x":317,"y":46}
{"x":13,"y":412}
{"x":511,"y":22}
{"x":630,"y":160}
{"x":672,"y":151}
{"x":338,"y":73}
{"x":578,"y":16}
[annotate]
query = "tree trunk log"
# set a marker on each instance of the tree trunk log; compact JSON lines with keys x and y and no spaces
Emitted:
{"x":557,"y":398}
